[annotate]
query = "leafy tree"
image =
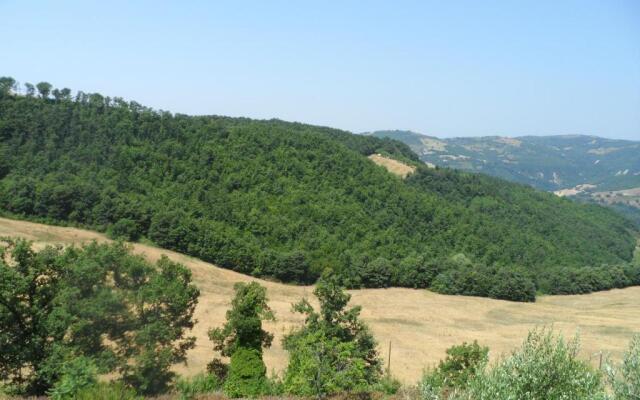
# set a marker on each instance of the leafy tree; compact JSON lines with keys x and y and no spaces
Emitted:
{"x":99,"y":302}
{"x":6,"y":85}
{"x":30,"y":90}
{"x":334,"y":350}
{"x":242,"y":338}
{"x":44,"y":88}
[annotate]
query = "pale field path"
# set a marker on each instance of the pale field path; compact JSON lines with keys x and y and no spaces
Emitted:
{"x":420,"y":324}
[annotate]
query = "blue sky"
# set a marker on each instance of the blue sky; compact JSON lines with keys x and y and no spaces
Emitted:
{"x":446,"y":68}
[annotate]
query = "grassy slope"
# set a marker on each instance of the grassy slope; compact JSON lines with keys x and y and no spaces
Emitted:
{"x":420,"y":324}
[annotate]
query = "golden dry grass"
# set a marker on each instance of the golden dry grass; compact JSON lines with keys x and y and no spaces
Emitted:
{"x":420,"y":324}
{"x":394,"y":166}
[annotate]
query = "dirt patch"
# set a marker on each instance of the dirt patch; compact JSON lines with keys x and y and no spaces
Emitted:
{"x":420,"y":325}
{"x":394,"y":166}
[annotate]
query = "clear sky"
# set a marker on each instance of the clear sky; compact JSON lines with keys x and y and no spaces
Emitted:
{"x":445,"y":68}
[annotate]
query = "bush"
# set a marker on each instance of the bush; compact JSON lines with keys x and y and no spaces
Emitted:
{"x":247,"y":374}
{"x":77,"y":374}
{"x":626,"y":381}
{"x":544,"y":368}
{"x":189,"y":388}
{"x":320,"y":366}
{"x":462,"y":363}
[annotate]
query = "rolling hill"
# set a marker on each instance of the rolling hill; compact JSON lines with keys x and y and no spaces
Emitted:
{"x":286,"y":200}
{"x":589,"y":168}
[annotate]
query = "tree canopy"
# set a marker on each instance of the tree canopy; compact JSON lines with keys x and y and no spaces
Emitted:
{"x":98,"y":302}
{"x":286,"y":200}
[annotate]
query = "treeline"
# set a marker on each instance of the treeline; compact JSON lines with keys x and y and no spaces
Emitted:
{"x":286,"y":200}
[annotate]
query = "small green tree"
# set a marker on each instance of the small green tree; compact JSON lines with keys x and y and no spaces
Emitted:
{"x":242,"y":338}
{"x":334,"y":350}
{"x":544,"y":368}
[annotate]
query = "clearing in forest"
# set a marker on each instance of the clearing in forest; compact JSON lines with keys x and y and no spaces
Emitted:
{"x":394,"y":166}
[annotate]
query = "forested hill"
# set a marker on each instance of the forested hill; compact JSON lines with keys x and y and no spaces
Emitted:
{"x":286,"y":200}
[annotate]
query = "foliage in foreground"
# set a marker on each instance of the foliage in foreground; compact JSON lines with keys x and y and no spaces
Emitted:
{"x":545,"y":367}
{"x":334,"y":351}
{"x":64,"y":312}
{"x":625,"y":379}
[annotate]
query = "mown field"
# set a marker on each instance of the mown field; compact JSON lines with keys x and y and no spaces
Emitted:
{"x":419,"y":324}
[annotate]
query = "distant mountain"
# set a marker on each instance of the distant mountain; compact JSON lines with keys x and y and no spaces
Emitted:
{"x":544,"y":162}
{"x":590,"y":168}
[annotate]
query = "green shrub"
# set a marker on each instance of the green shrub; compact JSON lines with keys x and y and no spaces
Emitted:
{"x":626,"y":381}
{"x":247,"y":374}
{"x":544,"y":368}
{"x":77,"y":374}
{"x":189,"y":388}
{"x":462,"y":363}
{"x":320,"y":366}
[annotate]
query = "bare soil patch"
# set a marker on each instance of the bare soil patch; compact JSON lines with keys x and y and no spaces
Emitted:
{"x":394,"y":166}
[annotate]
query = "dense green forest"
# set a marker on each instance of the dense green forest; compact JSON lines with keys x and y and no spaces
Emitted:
{"x":285,"y":200}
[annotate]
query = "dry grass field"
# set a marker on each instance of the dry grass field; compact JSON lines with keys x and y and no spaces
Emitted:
{"x":419,"y":324}
{"x":394,"y":166}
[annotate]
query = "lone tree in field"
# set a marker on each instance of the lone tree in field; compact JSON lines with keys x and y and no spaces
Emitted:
{"x":242,"y":338}
{"x":334,"y":351}
{"x":97,"y":302}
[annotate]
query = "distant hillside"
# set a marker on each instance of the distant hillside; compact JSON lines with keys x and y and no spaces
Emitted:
{"x":570,"y":165}
{"x":286,"y":200}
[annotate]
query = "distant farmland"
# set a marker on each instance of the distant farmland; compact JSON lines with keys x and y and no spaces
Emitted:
{"x":419,"y":324}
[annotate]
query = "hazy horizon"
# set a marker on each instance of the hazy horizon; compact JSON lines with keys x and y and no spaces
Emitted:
{"x":442,"y":69}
